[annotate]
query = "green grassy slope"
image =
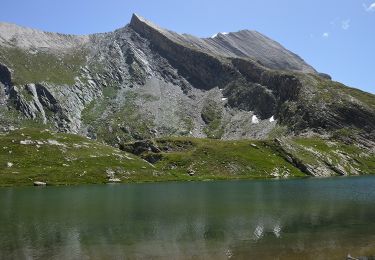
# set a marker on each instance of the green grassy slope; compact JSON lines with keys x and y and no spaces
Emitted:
{"x":42,"y":66}
{"x":32,"y":154}
{"x":28,"y":155}
{"x":215,"y":159}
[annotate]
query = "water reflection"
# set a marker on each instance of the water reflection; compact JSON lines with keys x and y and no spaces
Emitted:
{"x":314,"y":219}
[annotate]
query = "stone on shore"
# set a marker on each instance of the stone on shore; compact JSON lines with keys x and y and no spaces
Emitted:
{"x":114,"y":180}
{"x":40,"y":183}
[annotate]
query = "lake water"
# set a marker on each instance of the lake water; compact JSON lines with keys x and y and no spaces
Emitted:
{"x":286,"y":219}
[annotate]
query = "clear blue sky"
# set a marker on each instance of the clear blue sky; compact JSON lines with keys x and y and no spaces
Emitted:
{"x":335,"y":36}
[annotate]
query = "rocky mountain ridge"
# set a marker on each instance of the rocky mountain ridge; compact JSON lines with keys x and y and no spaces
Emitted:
{"x":12,"y":35}
{"x":241,"y":44}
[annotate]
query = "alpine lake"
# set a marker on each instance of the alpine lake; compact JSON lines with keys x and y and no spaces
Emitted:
{"x":305,"y":218}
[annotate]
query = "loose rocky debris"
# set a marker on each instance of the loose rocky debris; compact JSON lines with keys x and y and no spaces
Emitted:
{"x":110,"y":174}
{"x":349,"y":257}
{"x":280,"y":173}
{"x":26,"y":142}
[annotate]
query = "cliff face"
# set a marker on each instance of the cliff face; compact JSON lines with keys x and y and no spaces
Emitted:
{"x":142,"y":81}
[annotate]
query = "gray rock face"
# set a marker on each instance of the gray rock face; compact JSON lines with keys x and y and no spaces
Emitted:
{"x":142,"y":82}
{"x":5,"y":75}
{"x":5,"y":82}
{"x":59,"y":105}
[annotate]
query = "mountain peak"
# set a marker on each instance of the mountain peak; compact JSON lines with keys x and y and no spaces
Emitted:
{"x":241,"y":44}
{"x":138,"y":20}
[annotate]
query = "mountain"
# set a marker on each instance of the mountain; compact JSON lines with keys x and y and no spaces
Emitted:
{"x":140,"y":84}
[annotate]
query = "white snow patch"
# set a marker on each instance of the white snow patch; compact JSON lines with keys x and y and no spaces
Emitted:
{"x":214,"y":36}
{"x":272,"y":119}
{"x":254,"y":119}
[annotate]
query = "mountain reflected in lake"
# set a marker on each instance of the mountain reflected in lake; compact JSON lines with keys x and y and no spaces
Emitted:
{"x":291,"y":219}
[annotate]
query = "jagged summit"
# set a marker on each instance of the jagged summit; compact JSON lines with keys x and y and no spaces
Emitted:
{"x":242,"y":44}
{"x":136,"y":19}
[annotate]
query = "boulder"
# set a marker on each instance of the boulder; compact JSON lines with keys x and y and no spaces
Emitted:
{"x":114,"y":180}
{"x":40,"y":183}
{"x":140,"y":147}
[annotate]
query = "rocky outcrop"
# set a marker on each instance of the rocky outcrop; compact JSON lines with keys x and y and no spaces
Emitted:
{"x":252,"y":97}
{"x":140,"y":147}
{"x":324,"y":164}
{"x":61,"y":106}
{"x":28,"y":101}
{"x":357,"y":116}
{"x":5,"y":75}
{"x":5,"y":82}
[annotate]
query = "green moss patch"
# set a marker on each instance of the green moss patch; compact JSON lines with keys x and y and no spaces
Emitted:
{"x":41,"y":66}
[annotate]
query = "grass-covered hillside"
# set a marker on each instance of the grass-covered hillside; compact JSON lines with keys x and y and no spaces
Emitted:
{"x":33,"y":154}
